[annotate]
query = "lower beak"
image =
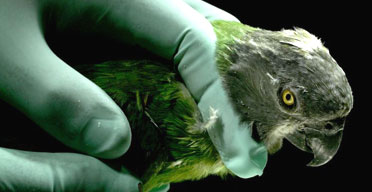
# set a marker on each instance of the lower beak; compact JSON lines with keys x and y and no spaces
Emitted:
{"x":324,"y":144}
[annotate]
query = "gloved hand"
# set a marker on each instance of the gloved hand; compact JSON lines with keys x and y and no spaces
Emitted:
{"x":78,"y":113}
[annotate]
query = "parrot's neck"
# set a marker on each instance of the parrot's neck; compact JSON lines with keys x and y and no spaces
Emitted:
{"x":229,"y":33}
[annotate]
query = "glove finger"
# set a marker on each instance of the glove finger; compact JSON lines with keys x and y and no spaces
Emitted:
{"x":51,"y":93}
{"x":209,"y":11}
{"x":31,"y":171}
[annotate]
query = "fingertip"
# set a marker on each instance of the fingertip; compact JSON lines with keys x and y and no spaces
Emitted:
{"x":85,"y":118}
{"x":106,"y":138}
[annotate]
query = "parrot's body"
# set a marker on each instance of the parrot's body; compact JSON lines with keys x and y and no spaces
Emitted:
{"x":170,"y":141}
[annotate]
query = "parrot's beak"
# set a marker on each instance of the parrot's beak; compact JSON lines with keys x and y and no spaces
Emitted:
{"x":323,"y":141}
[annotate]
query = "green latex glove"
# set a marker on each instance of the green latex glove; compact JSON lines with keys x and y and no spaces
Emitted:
{"x":78,"y":113}
{"x":30,"y":171}
{"x":65,"y":104}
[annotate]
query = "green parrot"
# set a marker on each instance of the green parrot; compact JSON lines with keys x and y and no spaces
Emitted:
{"x":282,"y":84}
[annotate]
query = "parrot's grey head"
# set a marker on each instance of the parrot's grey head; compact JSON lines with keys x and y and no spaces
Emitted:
{"x":287,"y":85}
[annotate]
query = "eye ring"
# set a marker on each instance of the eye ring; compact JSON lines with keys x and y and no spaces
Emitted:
{"x":288,"y":98}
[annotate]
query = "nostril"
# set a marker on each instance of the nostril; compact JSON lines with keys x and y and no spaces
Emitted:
{"x":328,"y":126}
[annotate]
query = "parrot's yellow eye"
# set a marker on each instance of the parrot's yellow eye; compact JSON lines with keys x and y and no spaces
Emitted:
{"x":288,"y":97}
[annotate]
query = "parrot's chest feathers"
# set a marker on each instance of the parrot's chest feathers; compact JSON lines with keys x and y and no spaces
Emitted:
{"x":189,"y":154}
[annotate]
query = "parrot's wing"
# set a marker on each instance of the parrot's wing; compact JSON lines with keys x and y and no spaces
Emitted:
{"x":136,"y":86}
{"x":159,"y":108}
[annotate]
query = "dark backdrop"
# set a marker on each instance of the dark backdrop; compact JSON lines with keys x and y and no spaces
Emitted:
{"x":341,"y":28}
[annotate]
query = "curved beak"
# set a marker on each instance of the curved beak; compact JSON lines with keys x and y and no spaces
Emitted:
{"x":321,"y":139}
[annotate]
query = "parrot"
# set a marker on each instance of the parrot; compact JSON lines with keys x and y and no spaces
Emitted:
{"x":282,"y":84}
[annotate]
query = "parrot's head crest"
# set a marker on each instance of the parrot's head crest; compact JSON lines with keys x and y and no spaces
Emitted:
{"x":287,"y":85}
{"x":303,"y":40}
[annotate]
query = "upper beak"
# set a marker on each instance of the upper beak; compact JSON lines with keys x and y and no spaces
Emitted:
{"x":323,"y":140}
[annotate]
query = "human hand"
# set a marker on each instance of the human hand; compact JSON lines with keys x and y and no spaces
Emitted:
{"x":35,"y":171}
{"x":65,"y":104}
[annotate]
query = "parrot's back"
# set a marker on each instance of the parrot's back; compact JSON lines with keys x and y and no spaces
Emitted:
{"x":168,"y":143}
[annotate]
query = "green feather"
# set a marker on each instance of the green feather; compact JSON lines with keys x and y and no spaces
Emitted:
{"x":228,"y":33}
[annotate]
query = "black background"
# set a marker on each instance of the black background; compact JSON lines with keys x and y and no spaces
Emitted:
{"x":342,"y":28}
